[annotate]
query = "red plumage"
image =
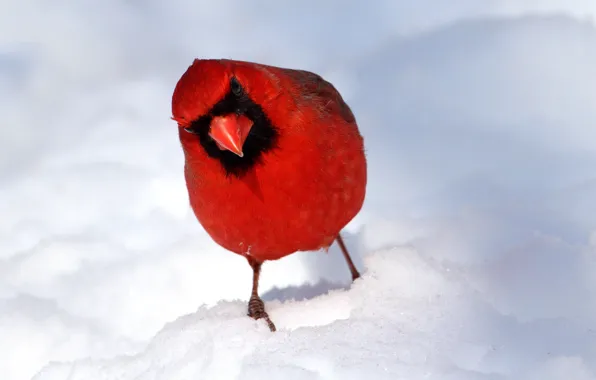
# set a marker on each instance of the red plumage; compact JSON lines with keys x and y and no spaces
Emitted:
{"x":302,"y":174}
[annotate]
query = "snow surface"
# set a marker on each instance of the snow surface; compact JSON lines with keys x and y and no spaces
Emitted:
{"x":477,"y":241}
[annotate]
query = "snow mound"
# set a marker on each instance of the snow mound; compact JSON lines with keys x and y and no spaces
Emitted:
{"x":391,"y":321}
{"x":407,"y":317}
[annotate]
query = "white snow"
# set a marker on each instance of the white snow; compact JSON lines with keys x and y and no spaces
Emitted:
{"x":477,"y":242}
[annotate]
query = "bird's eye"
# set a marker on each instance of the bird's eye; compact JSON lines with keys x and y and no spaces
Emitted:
{"x":190,"y":130}
{"x":235,"y":86}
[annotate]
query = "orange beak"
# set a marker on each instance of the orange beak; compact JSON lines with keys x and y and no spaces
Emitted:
{"x":230,"y":132}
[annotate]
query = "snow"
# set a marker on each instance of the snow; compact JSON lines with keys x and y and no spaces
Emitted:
{"x":319,"y":337}
{"x":477,"y":242}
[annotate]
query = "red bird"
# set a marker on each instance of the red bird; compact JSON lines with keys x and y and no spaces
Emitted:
{"x":274,"y":161}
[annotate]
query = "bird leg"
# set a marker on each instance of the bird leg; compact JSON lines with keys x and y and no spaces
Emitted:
{"x":351,"y":265}
{"x":256,"y":307}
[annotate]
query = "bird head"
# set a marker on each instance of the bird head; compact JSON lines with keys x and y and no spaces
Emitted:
{"x":219,"y":105}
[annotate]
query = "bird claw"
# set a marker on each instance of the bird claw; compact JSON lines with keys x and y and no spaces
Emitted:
{"x":256,"y":310}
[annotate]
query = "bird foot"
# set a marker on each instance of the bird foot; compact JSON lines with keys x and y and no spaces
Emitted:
{"x":256,"y":310}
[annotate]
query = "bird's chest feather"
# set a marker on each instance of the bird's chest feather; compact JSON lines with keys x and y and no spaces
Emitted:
{"x":295,"y":199}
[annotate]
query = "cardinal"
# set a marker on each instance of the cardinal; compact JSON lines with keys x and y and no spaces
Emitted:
{"x":274,"y":162}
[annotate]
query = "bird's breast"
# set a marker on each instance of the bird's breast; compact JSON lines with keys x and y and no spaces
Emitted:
{"x":294,"y":200}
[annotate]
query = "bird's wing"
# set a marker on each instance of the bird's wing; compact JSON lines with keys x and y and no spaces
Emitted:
{"x":312,"y":88}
